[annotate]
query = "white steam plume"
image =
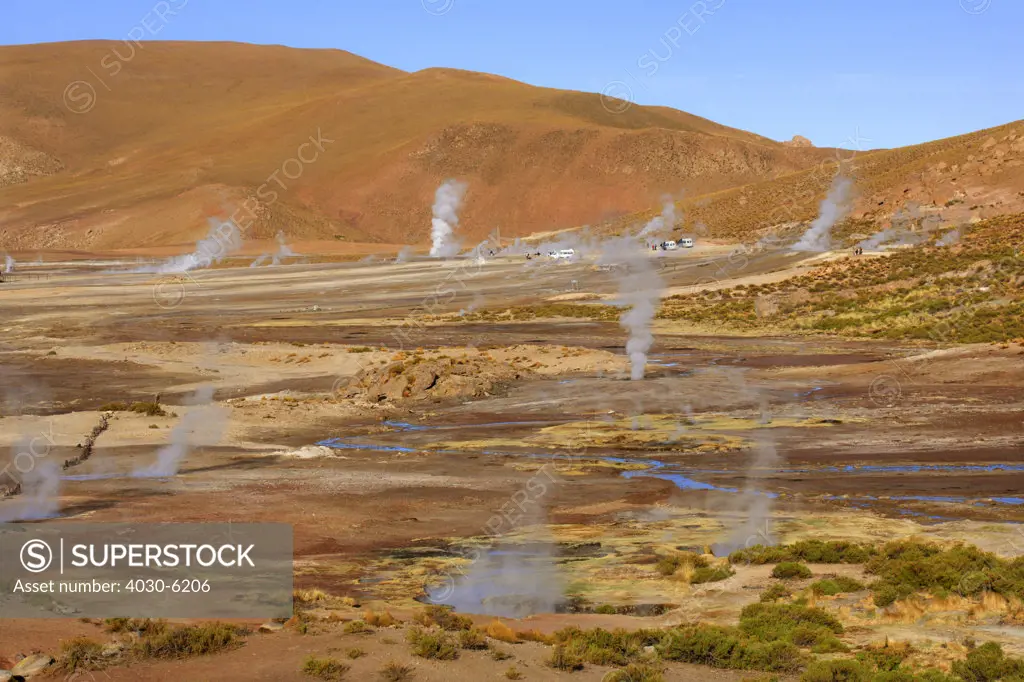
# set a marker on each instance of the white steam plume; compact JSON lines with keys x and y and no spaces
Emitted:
{"x":640,"y":288}
{"x":283,"y":251}
{"x":834,"y":208}
{"x":404,"y":254}
{"x":203,"y":425}
{"x":447,"y":201}
{"x":40,"y":488}
{"x":8,"y":263}
{"x":223,"y":239}
{"x":659,"y":224}
{"x":950,"y":238}
{"x":512,"y":580}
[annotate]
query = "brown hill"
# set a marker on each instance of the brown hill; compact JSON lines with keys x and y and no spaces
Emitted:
{"x":958,"y":179}
{"x":107,"y":145}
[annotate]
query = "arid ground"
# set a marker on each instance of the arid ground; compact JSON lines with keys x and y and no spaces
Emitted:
{"x":397,"y":414}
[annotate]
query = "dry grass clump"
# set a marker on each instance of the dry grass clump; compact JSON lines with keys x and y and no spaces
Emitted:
{"x":325,"y":668}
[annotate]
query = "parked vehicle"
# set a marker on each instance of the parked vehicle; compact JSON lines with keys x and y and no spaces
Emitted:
{"x":563,"y":254}
{"x":685,"y":242}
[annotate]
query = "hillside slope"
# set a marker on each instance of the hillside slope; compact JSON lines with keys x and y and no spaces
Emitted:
{"x":118,"y":146}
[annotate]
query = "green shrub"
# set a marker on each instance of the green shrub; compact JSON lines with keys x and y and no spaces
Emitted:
{"x":837,"y":585}
{"x":606,"y":609}
{"x":472,"y":639}
{"x":836,"y":671}
{"x":722,"y":647}
{"x":437,"y":646}
{"x":357,"y":627}
{"x":809,"y":551}
{"x":607,"y":647}
{"x":775,"y":592}
{"x":769,"y":622}
{"x":565,"y":658}
{"x":790,"y":569}
{"x":988,"y":663}
{"x":445,"y":618}
{"x":711,"y":574}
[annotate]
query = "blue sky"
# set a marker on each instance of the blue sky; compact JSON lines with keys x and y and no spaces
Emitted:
{"x":852,"y":73}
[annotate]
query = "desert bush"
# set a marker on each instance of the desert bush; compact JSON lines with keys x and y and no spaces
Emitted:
{"x":711,"y":574}
{"x":380,"y":620}
{"x":637,"y":672}
{"x":607,"y":647}
{"x":357,"y":627}
{"x":770,"y":622}
{"x":775,"y":592}
{"x":836,"y":671}
{"x":501,"y":632}
{"x":790,"y":570}
{"x":513,"y":673}
{"x":445,"y":618}
{"x":144,"y":627}
{"x":355,"y":652}
{"x":190,"y":640}
{"x":669,"y":565}
{"x":565,"y":658}
{"x":472,"y":639}
{"x":723,"y":647}
{"x":80,"y":653}
{"x":809,"y":551}
{"x":325,"y":668}
{"x":433,"y":645}
{"x":836,"y":585}
{"x":988,"y":663}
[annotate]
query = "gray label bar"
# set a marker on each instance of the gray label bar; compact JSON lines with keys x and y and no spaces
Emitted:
{"x":143,"y":570}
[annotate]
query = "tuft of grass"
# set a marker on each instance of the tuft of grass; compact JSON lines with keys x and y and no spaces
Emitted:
{"x":436,"y":646}
{"x":325,"y":668}
{"x":380,"y":620}
{"x":789,"y":570}
{"x":513,"y":673}
{"x":190,"y":640}
{"x":500,"y":654}
{"x":355,"y":652}
{"x":357,"y":627}
{"x":395,"y":672}
{"x":80,"y":653}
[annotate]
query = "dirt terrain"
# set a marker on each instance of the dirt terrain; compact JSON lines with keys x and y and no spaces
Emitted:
{"x":391,"y":411}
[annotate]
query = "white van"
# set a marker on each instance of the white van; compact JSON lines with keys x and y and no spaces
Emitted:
{"x":670,"y":245}
{"x":563,"y":254}
{"x":685,"y":242}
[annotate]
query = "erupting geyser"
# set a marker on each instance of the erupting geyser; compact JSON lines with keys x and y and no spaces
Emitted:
{"x":447,"y":201}
{"x":640,"y":289}
{"x":834,"y":208}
